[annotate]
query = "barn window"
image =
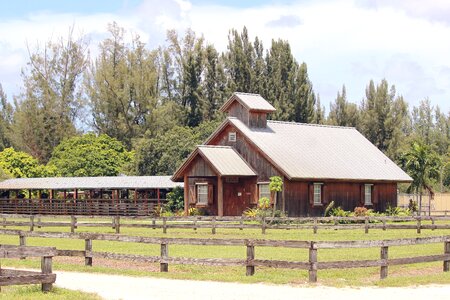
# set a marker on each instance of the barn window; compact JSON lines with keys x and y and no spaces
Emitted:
{"x":232,"y":136}
{"x":263,"y":189}
{"x":367,"y":194}
{"x":317,"y":194}
{"x":202,"y":193}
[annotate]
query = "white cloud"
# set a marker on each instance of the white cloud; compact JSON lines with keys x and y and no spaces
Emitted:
{"x":343,"y":42}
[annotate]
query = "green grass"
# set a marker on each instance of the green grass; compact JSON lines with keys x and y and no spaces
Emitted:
{"x":33,"y":292}
{"x":424,"y":273}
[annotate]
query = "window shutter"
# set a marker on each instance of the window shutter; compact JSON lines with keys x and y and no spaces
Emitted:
{"x":311,"y":194}
{"x":362,"y":195}
{"x":374,"y":195}
{"x":192,"y":198}
{"x":210,"y":194}
{"x":325,"y":199}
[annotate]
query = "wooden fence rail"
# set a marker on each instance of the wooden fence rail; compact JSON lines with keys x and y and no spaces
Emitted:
{"x":213,"y":223}
{"x":250,"y":262}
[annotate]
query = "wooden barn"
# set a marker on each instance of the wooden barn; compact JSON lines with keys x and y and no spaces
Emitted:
{"x":318,"y":164}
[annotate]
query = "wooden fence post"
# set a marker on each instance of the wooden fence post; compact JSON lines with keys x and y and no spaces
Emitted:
{"x":433,"y":226}
{"x":263,"y":225}
{"x":446,"y":251}
{"x":88,"y":254}
{"x":73,"y":221}
{"x":313,"y":262}
{"x":164,"y":225}
{"x":39,"y":221}
{"x":164,"y":266}
{"x":31,"y":223}
{"x":113,"y":223}
{"x":384,"y":258}
{"x":4,"y":222}
{"x":384,"y":224}
{"x":419,"y":224}
{"x":213,"y":230}
{"x":22,"y":242}
{"x":194,"y":224}
{"x":366,"y":225}
{"x":117,"y":223}
{"x":250,"y":269}
{"x":46,"y":268}
{"x":241,"y":223}
{"x":153,"y":223}
{"x":315,"y":226}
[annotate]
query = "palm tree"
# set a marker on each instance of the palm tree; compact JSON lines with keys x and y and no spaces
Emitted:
{"x":422,"y":164}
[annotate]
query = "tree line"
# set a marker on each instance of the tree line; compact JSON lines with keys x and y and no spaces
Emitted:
{"x":159,"y":103}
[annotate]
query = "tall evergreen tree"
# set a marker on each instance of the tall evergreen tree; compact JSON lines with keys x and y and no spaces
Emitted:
{"x":305,"y":99}
{"x":50,"y":102}
{"x":214,"y":83}
{"x":6,"y":113}
{"x":342,"y":112}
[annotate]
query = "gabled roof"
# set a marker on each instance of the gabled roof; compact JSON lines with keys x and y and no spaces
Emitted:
{"x":307,"y":151}
{"x":105,"y":182}
{"x":224,"y":160}
{"x":253,"y":102}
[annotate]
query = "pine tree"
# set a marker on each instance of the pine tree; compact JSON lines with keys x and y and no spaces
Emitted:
{"x":342,"y":112}
{"x":6,"y":113}
{"x":304,"y":96}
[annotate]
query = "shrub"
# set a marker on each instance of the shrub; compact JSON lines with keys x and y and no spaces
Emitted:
{"x":360,"y":211}
{"x":264,"y":203}
{"x":328,"y":209}
{"x":175,"y":199}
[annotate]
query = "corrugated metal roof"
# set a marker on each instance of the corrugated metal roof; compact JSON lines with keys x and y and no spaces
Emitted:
{"x":322,"y":152}
{"x":226,"y":161}
{"x":109,"y":182}
{"x":251,"y":101}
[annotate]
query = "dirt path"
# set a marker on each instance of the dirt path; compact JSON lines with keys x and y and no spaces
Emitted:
{"x":124,"y":287}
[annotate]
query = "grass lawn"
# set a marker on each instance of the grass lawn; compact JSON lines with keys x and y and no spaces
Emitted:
{"x":33,"y":292}
{"x":424,"y":273}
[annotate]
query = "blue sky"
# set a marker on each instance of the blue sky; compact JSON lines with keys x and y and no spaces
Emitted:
{"x":342,"y":41}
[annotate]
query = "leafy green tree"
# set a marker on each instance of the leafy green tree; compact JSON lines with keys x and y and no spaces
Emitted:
{"x":90,"y":155}
{"x":422,"y":164}
{"x":6,"y":113}
{"x":51,"y":101}
{"x":175,"y":200}
{"x":19,"y":164}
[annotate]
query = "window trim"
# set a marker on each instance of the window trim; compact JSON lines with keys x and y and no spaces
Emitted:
{"x":317,"y":203}
{"x":259,"y":189}
{"x":232,"y":136}
{"x":197,"y":185}
{"x":370,"y":186}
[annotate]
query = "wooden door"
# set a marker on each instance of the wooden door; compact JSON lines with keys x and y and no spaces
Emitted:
{"x":235,"y":199}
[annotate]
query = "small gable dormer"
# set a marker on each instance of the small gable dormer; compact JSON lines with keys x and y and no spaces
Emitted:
{"x":252,"y":109}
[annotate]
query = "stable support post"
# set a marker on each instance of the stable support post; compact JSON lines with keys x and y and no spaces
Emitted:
{"x":22,"y":242}
{"x":447,"y":251}
{"x":88,"y":252}
{"x":164,"y":266}
{"x":384,"y":258}
{"x":313,"y":262}
{"x":250,"y":268}
{"x":46,"y":268}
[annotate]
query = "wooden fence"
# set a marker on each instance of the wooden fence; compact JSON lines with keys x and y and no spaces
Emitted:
{"x":320,"y":223}
{"x":250,"y":262}
{"x":16,"y":277}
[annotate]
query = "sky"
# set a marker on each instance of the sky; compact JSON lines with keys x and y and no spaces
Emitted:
{"x":342,"y":41}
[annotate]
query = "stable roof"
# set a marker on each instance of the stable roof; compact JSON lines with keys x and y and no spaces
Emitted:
{"x":253,"y":102}
{"x":224,"y":160}
{"x":307,"y":151}
{"x":105,"y":182}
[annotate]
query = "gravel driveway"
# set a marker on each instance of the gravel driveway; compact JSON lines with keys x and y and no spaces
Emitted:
{"x":125,"y":287}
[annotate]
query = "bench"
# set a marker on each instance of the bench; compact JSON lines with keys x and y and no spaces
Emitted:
{"x":16,"y":277}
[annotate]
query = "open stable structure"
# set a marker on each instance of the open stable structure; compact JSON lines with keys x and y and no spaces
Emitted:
{"x":318,"y":164}
{"x":121,"y":195}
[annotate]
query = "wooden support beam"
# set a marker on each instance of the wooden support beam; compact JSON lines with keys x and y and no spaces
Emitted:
{"x":250,"y":269}
{"x":384,"y":257}
{"x":46,"y":268}
{"x":186,"y":195}
{"x":88,"y":249}
{"x":313,"y":262}
{"x":157,"y":193}
{"x":219,"y":196}
{"x":164,"y":267}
